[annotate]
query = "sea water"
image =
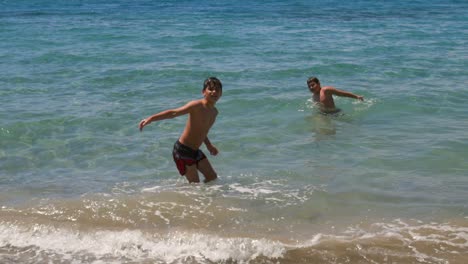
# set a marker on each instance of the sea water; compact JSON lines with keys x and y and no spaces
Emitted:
{"x":385,"y":181}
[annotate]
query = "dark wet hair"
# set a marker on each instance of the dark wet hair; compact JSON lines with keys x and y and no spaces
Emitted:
{"x":312,"y":79}
{"x":212,"y":82}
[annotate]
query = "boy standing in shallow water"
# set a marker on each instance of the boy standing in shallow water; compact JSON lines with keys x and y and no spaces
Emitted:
{"x":201,"y":116}
{"x":323,"y":96}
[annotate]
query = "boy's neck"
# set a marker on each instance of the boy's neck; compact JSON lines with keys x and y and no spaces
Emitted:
{"x":208,"y":103}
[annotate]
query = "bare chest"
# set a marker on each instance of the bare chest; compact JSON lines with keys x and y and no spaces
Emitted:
{"x":326,"y":99}
{"x":204,"y":117}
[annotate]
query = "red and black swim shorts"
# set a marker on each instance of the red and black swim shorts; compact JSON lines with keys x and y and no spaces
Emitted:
{"x":185,"y":156}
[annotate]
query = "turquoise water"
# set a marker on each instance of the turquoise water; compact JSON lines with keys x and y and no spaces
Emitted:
{"x":384,"y":182}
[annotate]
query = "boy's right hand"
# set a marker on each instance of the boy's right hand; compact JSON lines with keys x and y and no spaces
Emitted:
{"x":143,"y":123}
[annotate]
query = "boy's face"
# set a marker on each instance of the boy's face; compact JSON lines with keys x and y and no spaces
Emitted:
{"x":212,"y":93}
{"x":314,"y":87}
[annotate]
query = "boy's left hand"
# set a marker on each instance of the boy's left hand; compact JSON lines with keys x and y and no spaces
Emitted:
{"x":212,"y":149}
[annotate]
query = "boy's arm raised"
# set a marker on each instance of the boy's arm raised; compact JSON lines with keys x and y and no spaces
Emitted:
{"x":168,"y":114}
{"x":344,"y":93}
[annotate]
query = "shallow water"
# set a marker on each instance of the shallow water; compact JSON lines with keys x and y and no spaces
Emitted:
{"x":385,"y":181}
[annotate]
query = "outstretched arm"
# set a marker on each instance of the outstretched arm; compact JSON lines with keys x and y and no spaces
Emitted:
{"x":167,"y":114}
{"x":337,"y":92}
{"x":211,"y":148}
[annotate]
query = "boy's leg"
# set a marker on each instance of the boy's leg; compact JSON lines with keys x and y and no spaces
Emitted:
{"x":191,"y":173}
{"x":204,"y":166}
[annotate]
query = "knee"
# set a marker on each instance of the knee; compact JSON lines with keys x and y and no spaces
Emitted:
{"x":211,"y":178}
{"x":193,"y":180}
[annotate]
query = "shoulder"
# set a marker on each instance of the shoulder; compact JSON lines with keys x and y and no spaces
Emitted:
{"x":328,"y":89}
{"x":188,"y":107}
{"x":194,"y":103}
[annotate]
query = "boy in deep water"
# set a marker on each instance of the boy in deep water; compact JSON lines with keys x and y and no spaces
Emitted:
{"x":202,"y":113}
{"x":323,"y":96}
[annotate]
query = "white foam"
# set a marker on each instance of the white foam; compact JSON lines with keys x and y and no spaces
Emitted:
{"x":136,"y":245}
{"x":455,"y":236}
{"x":253,"y":190}
{"x":445,"y":238}
{"x":271,"y":191}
